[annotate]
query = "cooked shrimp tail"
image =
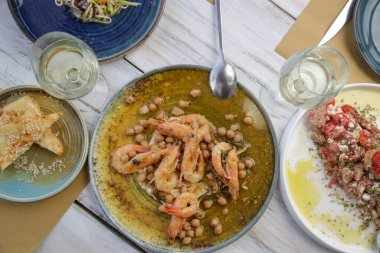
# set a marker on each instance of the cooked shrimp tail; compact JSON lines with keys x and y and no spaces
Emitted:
{"x":174,"y":228}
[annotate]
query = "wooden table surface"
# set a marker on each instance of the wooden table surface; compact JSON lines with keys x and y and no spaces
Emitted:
{"x":185,"y":34}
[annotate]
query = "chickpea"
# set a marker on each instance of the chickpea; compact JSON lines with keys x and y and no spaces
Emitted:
{"x":186,"y":226}
{"x":144,"y":123}
{"x":152,"y":107}
{"x":207,"y":203}
{"x":218,"y":229}
{"x":141,"y":177}
{"x":161,"y":115}
{"x":214,"y":222}
{"x":206,"y":154}
{"x":182,"y":234}
{"x":139,"y":138}
{"x":235,"y":127}
{"x":195,"y":223}
{"x":241,"y":165}
{"x":222,"y":201}
{"x":183,"y":104}
{"x":249,"y":163}
{"x":210,"y":176}
{"x":124,"y":158}
{"x":230,"y":134}
{"x":195,"y":93}
{"x":198,"y":231}
{"x":129,"y":99}
{"x":191,"y":188}
{"x":132,"y":153}
{"x":183,"y":189}
{"x":214,"y":186}
{"x":159,"y":138}
{"x":149,"y":176}
{"x":144,"y":143}
{"x":199,"y":215}
{"x":169,"y":198}
{"x":190,"y":233}
{"x":169,"y":139}
{"x":186,"y":240}
{"x":225,"y":211}
{"x":222,"y":131}
{"x":162,"y":145}
{"x":129,"y":132}
{"x":229,"y":116}
{"x":158,"y":101}
{"x":242,"y":174}
{"x":144,"y":110}
{"x":176,"y":111}
{"x":248,"y":120}
{"x":138,"y":129}
{"x":150,"y":168}
{"x":238,"y":137}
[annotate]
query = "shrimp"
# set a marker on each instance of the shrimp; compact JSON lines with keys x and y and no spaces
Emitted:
{"x":190,"y":154}
{"x":120,"y":156}
{"x":141,"y":160}
{"x":172,"y":129}
{"x":191,"y":118}
{"x":216,"y":159}
{"x":186,"y":205}
{"x":197,"y":174}
{"x":232,"y":171}
{"x":175,"y":226}
{"x":165,"y":177}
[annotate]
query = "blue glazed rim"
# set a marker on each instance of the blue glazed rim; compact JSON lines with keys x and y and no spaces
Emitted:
{"x":84,"y":150}
{"x":24,"y":28}
{"x":144,"y":245}
{"x":359,"y":36}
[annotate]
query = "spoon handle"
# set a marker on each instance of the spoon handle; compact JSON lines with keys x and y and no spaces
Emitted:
{"x":219,"y":24}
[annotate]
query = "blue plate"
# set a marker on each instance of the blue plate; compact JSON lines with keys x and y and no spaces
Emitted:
{"x":127,"y":30}
{"x":39,"y":173}
{"x":367,"y":31}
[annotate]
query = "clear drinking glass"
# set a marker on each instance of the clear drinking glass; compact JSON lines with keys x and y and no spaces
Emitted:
{"x":308,"y":79}
{"x":65,"y":66}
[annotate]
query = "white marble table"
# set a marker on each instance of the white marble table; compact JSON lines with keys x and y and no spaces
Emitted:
{"x":185,"y":34}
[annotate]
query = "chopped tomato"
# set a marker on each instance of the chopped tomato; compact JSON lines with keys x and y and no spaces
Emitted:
{"x":332,"y":130}
{"x":340,"y":119}
{"x":331,"y":182}
{"x":376,"y":163}
{"x":349,"y":110}
{"x":332,"y":102}
{"x":330,"y":153}
{"x":364,"y":136}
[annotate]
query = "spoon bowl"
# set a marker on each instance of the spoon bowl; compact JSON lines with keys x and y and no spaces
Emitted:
{"x":223,"y":81}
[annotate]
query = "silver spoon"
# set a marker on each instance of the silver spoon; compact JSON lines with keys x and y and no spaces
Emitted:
{"x":223,"y":76}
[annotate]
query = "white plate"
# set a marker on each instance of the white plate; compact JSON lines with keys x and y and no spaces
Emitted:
{"x":303,"y":183}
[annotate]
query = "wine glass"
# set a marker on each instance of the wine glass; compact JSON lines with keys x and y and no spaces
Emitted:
{"x":67,"y":68}
{"x":307,"y":79}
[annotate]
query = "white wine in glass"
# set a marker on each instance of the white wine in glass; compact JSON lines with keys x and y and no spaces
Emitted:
{"x":64,"y":66}
{"x":312,"y":77}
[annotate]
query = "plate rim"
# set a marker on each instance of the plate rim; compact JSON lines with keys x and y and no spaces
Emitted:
{"x":292,"y":208}
{"x":357,"y":36}
{"x":85,"y":147}
{"x":244,"y":230}
{"x":24,"y":30}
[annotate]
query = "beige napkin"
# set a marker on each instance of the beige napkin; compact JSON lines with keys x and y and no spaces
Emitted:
{"x":23,"y":226}
{"x":311,"y":26}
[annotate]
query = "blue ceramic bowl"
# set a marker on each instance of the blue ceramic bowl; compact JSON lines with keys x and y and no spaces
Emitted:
{"x":367,"y":32}
{"x":127,"y":30}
